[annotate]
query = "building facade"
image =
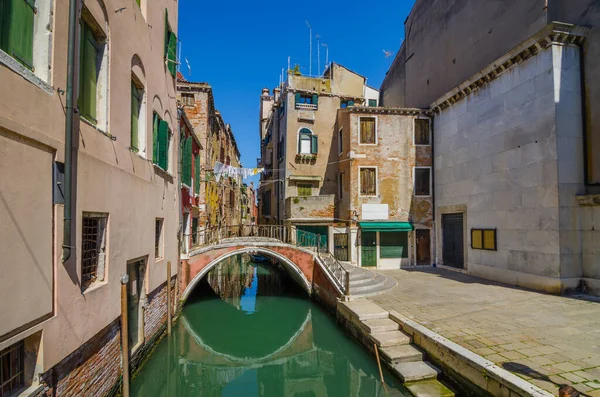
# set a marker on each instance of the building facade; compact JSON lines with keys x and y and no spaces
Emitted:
{"x":515,"y":136}
{"x":61,"y":325}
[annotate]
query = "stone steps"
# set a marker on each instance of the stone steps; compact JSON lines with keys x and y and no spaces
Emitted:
{"x":401,"y":354}
{"x":429,"y":388}
{"x":415,"y":371}
{"x":390,"y":338}
{"x":380,"y":325}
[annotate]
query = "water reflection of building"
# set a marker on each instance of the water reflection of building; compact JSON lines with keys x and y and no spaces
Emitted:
{"x":230,"y":280}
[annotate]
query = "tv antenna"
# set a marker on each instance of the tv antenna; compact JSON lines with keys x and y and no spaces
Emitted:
{"x":310,"y":49}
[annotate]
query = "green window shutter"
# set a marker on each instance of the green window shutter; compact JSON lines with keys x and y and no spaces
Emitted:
{"x":314,"y":147}
{"x":16,"y":34}
{"x":135,"y":109}
{"x":163,"y":144}
{"x":297,"y":96}
{"x":315,"y":99}
{"x":89,"y":77}
{"x":350,"y":103}
{"x":138,"y":3}
{"x":186,"y":172}
{"x":172,"y":56}
{"x":197,"y":174}
{"x":167,"y":33}
{"x":155,"y":139}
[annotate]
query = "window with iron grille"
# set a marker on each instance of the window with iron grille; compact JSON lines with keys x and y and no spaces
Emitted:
{"x":158,"y":228}
{"x":93,"y":248}
{"x":422,"y":135}
{"x":368,"y":131}
{"x":12,"y":369}
{"x":368,"y":181}
{"x":422,"y":181}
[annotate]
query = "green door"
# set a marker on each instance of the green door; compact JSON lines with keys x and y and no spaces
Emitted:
{"x":306,"y":236}
{"x":368,"y":249}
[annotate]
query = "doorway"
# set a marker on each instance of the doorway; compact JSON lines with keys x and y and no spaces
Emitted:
{"x":423,"y":237}
{"x":340,"y":246}
{"x":368,"y":249}
{"x":136,"y":297}
{"x":453,"y":240}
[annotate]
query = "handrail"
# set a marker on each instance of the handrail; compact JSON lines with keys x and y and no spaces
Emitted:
{"x":253,"y":233}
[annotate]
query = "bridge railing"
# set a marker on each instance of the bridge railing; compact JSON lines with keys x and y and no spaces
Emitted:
{"x":253,"y":233}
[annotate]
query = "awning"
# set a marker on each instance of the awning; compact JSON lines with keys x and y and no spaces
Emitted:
{"x":386,"y":226}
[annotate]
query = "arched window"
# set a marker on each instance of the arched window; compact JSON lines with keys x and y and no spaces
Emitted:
{"x":307,"y":142}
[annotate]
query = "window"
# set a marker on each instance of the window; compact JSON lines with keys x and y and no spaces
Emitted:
{"x":187,"y":99}
{"x":158,"y":233}
{"x":340,"y":142}
{"x":161,"y":137}
{"x":186,"y":166}
{"x":422,"y":136}
{"x":373,"y":103}
{"x":340,"y":185}
{"x":12,"y":368}
{"x":197,"y":174}
{"x":304,"y":190}
{"x":194,"y":231}
{"x":368,"y":181}
{"x":16,"y":29}
{"x":368,"y":131}
{"x":281,"y":148}
{"x":89,"y":56}
{"x":93,"y":248}
{"x":347,"y":103}
{"x":483,"y":239}
{"x":306,"y":101}
{"x":307,"y":142}
{"x":137,"y":97}
{"x":266,"y":201}
{"x":170,"y":47}
{"x":422,"y":181}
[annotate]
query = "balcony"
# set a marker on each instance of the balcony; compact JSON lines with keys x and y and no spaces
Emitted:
{"x":310,"y":207}
{"x":306,"y":106}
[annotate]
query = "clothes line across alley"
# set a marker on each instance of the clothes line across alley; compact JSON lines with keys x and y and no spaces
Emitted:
{"x":224,"y":170}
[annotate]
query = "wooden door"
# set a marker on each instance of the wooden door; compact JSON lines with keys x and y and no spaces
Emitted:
{"x":340,"y":246}
{"x":135,"y":311}
{"x":368,"y":249}
{"x":452,"y":240}
{"x":423,"y":238}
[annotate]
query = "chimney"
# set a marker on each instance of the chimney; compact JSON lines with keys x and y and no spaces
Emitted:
{"x":265,"y":92}
{"x":276,"y":93}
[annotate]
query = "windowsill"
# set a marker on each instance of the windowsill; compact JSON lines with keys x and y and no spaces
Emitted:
{"x":95,"y":286}
{"x":419,"y":144}
{"x":94,"y":126}
{"x":138,"y":153}
{"x":24,"y":72}
{"x":159,"y":259}
{"x":367,"y":144}
{"x":30,"y":391}
{"x":368,"y":196}
{"x":423,"y":196}
{"x":161,"y":171}
{"x":588,"y":200}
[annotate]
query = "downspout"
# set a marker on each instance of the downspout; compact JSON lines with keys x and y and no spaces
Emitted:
{"x":69,"y":130}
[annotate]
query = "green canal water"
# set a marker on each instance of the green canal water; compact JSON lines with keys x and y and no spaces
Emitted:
{"x":249,"y":330}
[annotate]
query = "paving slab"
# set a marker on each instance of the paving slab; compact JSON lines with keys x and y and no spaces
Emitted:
{"x":429,"y":388}
{"x":535,"y":336}
{"x":415,"y":371}
{"x":390,"y":338}
{"x":379,"y":325}
{"x":401,"y":354}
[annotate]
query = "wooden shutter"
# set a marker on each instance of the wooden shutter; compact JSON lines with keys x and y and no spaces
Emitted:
{"x":155,"y":139}
{"x":367,"y":182}
{"x":167,"y":33}
{"x":422,"y":176}
{"x":186,"y":172}
{"x":163,"y":144}
{"x":314,"y":145}
{"x":197,"y":174}
{"x":304,"y":190}
{"x":350,"y":103}
{"x":172,"y":57}
{"x":367,"y":130}
{"x":421,"y":132}
{"x":135,"y":109}
{"x":297,"y":98}
{"x":315,"y":99}
{"x":89,"y":76}
{"x":17,"y":30}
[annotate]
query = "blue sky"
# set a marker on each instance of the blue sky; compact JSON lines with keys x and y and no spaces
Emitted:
{"x":239,"y":47}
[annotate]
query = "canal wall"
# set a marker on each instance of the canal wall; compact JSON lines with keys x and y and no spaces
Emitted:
{"x":94,"y":369}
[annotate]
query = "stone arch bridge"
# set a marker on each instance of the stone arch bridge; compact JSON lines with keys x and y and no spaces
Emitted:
{"x":307,"y":261}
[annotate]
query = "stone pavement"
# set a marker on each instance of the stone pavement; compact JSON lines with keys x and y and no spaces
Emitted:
{"x":548,"y":340}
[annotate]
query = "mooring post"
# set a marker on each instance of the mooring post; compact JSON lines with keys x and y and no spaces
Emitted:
{"x":124,"y":335}
{"x":169,"y":298}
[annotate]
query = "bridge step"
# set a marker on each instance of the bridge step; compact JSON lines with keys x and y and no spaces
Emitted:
{"x":377,"y":281}
{"x":389,"y":284}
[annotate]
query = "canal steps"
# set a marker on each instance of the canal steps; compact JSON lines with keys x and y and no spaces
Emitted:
{"x":373,"y":325}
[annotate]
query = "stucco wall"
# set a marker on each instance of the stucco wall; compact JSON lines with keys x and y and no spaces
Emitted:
{"x":109,"y":178}
{"x":496,"y":157}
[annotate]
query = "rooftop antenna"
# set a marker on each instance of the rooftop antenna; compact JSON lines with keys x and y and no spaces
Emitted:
{"x":318,"y":54}
{"x":310,"y":49}
{"x":388,"y":55}
{"x":188,"y":66}
{"x":326,"y":54}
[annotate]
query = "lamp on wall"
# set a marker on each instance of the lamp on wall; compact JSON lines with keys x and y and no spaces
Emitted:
{"x":355,"y":216}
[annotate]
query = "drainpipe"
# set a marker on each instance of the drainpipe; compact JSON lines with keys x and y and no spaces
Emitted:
{"x":69,"y":130}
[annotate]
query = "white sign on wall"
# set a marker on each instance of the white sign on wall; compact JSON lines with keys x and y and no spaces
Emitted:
{"x":374,"y":212}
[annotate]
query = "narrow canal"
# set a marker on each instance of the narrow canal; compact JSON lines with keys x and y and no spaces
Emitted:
{"x":250,"y":330}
